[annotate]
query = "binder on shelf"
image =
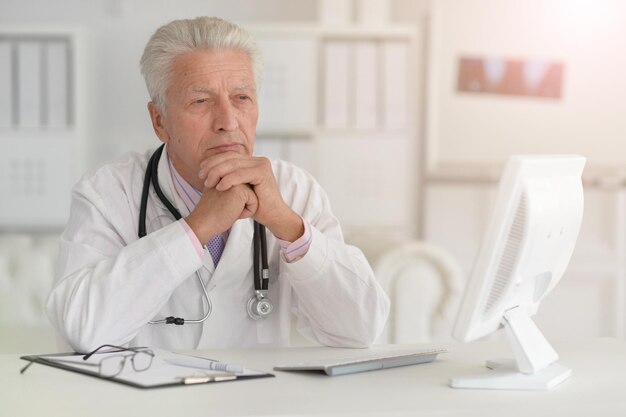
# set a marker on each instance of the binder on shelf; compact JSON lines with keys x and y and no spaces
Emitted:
{"x":366,"y":85}
{"x":336,"y":84}
{"x":29,"y":84}
{"x":395,"y":100}
{"x":57,"y":87}
{"x":6,"y":89}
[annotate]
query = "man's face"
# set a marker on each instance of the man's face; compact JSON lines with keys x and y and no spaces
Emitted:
{"x":211,"y":108}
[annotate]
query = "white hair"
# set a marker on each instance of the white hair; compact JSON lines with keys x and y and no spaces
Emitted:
{"x":187,"y":35}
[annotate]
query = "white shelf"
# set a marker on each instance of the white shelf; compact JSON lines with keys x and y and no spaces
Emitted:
{"x":342,"y":31}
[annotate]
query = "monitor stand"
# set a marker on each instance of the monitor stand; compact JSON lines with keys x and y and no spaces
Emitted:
{"x":534,"y":366}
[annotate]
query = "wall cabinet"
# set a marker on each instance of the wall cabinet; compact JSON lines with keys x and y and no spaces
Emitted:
{"x":42,"y":122}
{"x":341,"y":104}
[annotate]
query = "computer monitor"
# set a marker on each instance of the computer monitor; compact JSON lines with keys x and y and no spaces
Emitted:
{"x":527,"y":246}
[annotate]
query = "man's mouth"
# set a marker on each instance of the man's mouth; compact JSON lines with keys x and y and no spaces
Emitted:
{"x":229,"y":147}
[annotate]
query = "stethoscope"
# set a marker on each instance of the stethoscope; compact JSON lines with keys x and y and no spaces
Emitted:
{"x":259,"y":306}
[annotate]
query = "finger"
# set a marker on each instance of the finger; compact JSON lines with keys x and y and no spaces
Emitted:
{"x":239,"y":177}
{"x":251,"y":203}
{"x":254,"y":172}
{"x":234,"y":172}
{"x":246,"y":213}
{"x":217,"y":172}
{"x":212,"y":161}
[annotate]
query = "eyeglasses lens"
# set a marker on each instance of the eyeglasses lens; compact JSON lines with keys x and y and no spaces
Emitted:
{"x":111,"y":366}
{"x":141,"y":361}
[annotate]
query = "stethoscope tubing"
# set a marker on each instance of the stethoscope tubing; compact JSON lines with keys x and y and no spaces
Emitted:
{"x":261,"y":265}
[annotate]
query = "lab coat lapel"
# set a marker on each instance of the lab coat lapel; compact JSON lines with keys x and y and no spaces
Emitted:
{"x":155,"y":206}
{"x":230,"y":289}
{"x":157,"y":215}
{"x":167,"y":186}
{"x":237,"y":256}
{"x":165,"y":181}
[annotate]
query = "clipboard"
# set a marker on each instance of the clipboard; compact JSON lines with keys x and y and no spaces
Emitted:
{"x":162,"y":373}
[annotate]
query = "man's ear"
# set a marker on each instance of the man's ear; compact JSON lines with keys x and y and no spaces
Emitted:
{"x":156,"y":115}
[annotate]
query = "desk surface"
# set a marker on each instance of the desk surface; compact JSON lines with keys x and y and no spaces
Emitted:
{"x":595,"y":388}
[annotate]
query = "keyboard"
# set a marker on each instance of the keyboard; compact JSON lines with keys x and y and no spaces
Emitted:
{"x":367,"y":360}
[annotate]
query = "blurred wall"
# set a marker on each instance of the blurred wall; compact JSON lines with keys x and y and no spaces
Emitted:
{"x":468,"y":136}
{"x":114,"y":119}
{"x":118,"y":31}
{"x":449,"y":209}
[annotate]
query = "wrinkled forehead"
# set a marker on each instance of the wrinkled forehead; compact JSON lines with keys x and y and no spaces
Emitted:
{"x":213,"y":63}
{"x":211,"y":71}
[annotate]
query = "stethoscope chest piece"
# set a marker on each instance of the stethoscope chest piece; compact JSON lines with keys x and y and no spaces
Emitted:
{"x":259,"y":306}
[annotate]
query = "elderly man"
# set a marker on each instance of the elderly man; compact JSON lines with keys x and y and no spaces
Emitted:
{"x":165,"y":248}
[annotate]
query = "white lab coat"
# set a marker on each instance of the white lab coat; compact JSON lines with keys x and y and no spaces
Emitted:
{"x":109,"y":283}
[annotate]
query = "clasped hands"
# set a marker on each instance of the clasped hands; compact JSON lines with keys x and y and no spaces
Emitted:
{"x":237,"y":187}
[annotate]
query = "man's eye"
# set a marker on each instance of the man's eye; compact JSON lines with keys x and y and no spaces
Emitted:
{"x":200,"y":101}
{"x":243,"y":97}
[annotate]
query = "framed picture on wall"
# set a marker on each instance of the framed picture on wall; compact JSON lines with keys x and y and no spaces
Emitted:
{"x":505,"y":79}
{"x":510,"y":77}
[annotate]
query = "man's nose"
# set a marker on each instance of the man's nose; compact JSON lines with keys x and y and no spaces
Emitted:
{"x":225,"y":116}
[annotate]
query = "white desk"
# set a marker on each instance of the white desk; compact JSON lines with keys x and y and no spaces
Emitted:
{"x":596,"y":388}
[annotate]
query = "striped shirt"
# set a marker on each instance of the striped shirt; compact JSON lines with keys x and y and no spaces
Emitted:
{"x":292,"y":251}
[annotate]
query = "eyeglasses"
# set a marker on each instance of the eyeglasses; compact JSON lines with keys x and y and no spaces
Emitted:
{"x":111,"y":365}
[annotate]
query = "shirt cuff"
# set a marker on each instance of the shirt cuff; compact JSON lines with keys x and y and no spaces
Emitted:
{"x":293,"y":251}
{"x":193,"y":238}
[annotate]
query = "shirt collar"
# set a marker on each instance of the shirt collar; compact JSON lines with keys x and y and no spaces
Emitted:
{"x":185,"y":191}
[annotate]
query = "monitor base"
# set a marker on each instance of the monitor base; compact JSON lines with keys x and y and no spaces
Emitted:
{"x":503,"y":374}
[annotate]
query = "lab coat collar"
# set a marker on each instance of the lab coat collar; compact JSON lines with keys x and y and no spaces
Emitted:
{"x":231,"y":284}
{"x":165,"y":181}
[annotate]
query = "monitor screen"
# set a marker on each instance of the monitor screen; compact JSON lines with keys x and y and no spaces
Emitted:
{"x":527,"y":246}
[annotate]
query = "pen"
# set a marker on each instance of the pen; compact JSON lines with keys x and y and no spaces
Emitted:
{"x":202,"y":379}
{"x":203,"y":363}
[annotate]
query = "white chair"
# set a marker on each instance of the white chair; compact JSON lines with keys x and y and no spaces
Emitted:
{"x":26,"y":271}
{"x":424,"y":284}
